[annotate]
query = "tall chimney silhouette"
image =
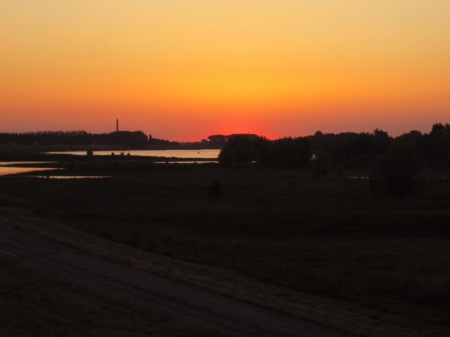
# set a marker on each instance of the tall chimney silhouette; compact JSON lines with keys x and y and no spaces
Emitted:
{"x":117,"y":125}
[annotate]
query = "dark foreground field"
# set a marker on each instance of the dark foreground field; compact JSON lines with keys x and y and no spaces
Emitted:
{"x":168,"y":307}
{"x":35,"y":304}
{"x":328,"y":238}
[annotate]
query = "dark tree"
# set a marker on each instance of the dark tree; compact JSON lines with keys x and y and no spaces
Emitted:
{"x":382,"y":141}
{"x":436,"y":145}
{"x":285,"y":152}
{"x":360,"y":150}
{"x":322,"y":163}
{"x":226,"y":157}
{"x":263,"y":146}
{"x":279,"y":153}
{"x":395,"y":173}
{"x":242,"y":148}
{"x":302,"y":152}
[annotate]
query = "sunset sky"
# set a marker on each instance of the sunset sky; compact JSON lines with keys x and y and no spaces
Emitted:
{"x":183,"y":70}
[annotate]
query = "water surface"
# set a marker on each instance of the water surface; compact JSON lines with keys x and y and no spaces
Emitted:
{"x":197,"y":154}
{"x":67,"y":177}
{"x":5,"y":170}
{"x":186,"y":162}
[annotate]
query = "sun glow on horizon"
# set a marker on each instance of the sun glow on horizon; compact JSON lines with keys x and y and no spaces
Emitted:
{"x":187,"y":70}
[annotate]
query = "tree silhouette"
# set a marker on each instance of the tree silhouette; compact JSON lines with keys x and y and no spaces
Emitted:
{"x":322,"y":163}
{"x":226,"y":157}
{"x":395,"y":173}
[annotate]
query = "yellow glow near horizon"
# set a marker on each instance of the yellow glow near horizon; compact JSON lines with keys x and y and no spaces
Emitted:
{"x":185,"y":69}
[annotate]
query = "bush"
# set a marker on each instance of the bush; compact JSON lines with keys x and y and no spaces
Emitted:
{"x":395,"y":173}
{"x":322,"y":163}
{"x":226,"y":157}
{"x":286,"y":152}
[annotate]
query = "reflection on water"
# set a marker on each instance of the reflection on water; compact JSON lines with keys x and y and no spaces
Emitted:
{"x":68,"y":177}
{"x":204,"y":154}
{"x":185,"y":162}
{"x":12,"y":163}
{"x":4,"y":170}
{"x":7,"y":167}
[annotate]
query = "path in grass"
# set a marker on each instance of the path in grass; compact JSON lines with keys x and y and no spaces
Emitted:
{"x":124,"y":283}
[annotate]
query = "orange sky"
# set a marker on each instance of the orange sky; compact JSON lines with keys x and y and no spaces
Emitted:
{"x":183,"y":70}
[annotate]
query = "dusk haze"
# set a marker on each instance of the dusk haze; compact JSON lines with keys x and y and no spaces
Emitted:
{"x":225,"y":168}
{"x":183,"y":70}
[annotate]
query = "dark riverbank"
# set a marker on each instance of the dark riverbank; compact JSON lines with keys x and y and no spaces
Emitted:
{"x":327,"y":237}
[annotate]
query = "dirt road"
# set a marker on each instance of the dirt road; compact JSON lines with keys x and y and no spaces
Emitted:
{"x":121,"y":282}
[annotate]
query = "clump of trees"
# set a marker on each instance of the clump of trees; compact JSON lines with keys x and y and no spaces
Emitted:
{"x":226,"y":157}
{"x":359,"y":150}
{"x":436,"y":145}
{"x":322,"y":163}
{"x":395,"y":172}
{"x":156,"y":142}
{"x":352,"y":150}
{"x":393,"y":163}
{"x":286,"y":152}
{"x":47,"y":137}
{"x":280,"y":153}
{"x":126,"y":138}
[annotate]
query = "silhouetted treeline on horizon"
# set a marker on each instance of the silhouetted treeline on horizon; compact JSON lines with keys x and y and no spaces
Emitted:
{"x":347,"y":150}
{"x":359,"y":150}
{"x":344,"y":150}
{"x":135,"y":139}
{"x":221,"y":140}
{"x":392,"y":164}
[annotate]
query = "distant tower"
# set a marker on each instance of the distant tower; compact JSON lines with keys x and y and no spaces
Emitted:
{"x":117,"y":125}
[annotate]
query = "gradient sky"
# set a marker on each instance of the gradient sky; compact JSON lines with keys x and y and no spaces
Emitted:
{"x":183,"y":70}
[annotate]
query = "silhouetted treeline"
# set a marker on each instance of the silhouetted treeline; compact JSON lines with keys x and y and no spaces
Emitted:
{"x":285,"y":152}
{"x":395,"y":173}
{"x":46,"y":138}
{"x":127,"y":138}
{"x":337,"y":151}
{"x":355,"y":150}
{"x":162,"y":142}
{"x":220,"y":140}
{"x":393,"y":164}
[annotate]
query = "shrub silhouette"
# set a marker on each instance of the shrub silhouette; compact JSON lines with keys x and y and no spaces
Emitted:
{"x":395,"y":173}
{"x":288,"y":152}
{"x":226,"y":157}
{"x":322,"y":163}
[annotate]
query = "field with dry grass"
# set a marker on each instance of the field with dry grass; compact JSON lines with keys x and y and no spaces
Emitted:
{"x":327,"y":240}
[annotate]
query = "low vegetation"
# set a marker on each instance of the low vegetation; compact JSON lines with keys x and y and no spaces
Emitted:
{"x":360,"y":221}
{"x":34,"y":304}
{"x":327,"y":237}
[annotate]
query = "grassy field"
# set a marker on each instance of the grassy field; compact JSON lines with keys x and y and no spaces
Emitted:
{"x":34,"y":304}
{"x":329,"y":238}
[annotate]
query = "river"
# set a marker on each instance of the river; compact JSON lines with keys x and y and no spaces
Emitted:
{"x":211,"y":154}
{"x":182,"y":154}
